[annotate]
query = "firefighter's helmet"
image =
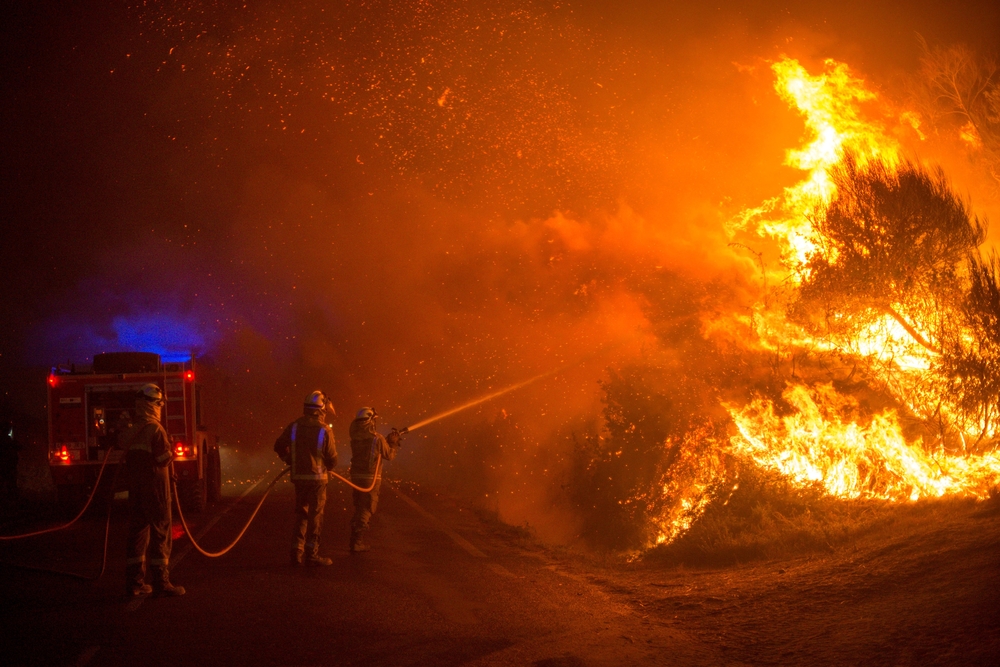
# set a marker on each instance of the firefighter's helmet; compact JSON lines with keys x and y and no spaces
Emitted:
{"x":366,"y":414}
{"x":315,"y":402}
{"x":150,"y":392}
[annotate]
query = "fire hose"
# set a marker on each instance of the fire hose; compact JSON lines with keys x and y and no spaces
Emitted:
{"x":107,"y":531}
{"x":90,"y":499}
{"x":260,"y":503}
{"x":198,"y":547}
{"x":378,"y":468}
{"x":180,"y":513}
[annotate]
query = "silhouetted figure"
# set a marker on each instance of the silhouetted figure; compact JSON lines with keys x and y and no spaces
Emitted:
{"x":147,"y":460}
{"x":307,"y":445}
{"x":368,"y":447}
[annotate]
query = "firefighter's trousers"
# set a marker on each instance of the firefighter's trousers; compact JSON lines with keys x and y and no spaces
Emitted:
{"x":149,"y":520}
{"x":310,"y":499}
{"x":364,"y":504}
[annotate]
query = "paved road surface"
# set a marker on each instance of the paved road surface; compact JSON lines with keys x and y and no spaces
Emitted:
{"x":441,"y":587}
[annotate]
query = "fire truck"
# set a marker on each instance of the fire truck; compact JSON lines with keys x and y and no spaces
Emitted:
{"x":89,"y":406}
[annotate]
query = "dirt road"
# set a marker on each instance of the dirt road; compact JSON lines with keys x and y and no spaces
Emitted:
{"x":445,"y":586}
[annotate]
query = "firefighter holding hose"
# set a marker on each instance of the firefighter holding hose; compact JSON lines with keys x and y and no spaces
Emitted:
{"x":307,"y":445}
{"x":147,"y":459}
{"x":368,"y":449}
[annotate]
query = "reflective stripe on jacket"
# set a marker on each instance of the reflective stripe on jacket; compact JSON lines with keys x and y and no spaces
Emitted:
{"x":308,"y":446}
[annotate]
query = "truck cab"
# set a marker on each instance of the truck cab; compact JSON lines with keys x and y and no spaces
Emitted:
{"x":90,"y":406}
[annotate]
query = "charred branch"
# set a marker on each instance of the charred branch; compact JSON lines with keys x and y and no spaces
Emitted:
{"x":914,"y":334}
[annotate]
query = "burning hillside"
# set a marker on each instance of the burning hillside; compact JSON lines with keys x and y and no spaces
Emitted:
{"x":720,"y":264}
{"x":862,"y":367}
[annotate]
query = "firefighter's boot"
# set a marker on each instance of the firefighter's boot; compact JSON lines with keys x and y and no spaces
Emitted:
{"x":357,"y":543}
{"x":162,"y":588}
{"x":319,"y":560}
{"x":137,"y":591}
{"x":134,"y":580}
{"x":168,"y":590}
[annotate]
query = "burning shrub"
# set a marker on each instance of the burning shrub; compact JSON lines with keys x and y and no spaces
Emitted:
{"x":638,"y":473}
{"x":971,"y":358}
{"x":829,"y":441}
{"x":767,"y":516}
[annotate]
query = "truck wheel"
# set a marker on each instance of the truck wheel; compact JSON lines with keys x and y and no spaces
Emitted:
{"x":214,"y":477}
{"x":192,"y":495}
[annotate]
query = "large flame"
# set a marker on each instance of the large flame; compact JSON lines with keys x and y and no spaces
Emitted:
{"x":826,"y":441}
{"x":830,"y":106}
{"x":820,"y":436}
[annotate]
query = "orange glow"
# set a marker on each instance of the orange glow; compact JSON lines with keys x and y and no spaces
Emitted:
{"x":820,"y":437}
{"x":826,"y":442}
{"x":830,"y":106}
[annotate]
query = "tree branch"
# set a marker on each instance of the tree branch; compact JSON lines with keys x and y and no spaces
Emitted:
{"x":889,"y":310}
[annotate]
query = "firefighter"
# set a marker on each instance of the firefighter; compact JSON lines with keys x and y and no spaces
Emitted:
{"x":308,"y":446}
{"x":147,"y":460}
{"x":368,"y":447}
{"x":9,"y":448}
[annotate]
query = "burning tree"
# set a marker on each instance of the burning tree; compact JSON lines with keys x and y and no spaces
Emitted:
{"x":891,"y":243}
{"x":879,"y":265}
{"x":971,"y":354}
{"x":898,"y":243}
{"x":956,"y":84}
{"x":879,"y":252}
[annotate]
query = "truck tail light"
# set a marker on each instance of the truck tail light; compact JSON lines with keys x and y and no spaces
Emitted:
{"x":189,"y":376}
{"x":53,"y":380}
{"x":61,"y":455}
{"x":183,"y":451}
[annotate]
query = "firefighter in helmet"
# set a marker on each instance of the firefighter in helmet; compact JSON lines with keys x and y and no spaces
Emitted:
{"x":147,"y":459}
{"x":368,"y":448}
{"x":307,"y":445}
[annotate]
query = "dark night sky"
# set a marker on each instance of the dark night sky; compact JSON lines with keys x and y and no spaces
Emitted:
{"x":354,"y":195}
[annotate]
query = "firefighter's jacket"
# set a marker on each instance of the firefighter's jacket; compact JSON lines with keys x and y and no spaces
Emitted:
{"x":367,"y":446}
{"x":147,"y":454}
{"x":307,"y":445}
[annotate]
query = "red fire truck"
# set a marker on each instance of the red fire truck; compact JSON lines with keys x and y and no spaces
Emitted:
{"x":90,"y":405}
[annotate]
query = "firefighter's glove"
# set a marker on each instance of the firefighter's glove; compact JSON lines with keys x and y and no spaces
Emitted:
{"x":393,"y":438}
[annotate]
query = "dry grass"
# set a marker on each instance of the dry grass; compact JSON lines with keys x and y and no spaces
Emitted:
{"x":767,"y":518}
